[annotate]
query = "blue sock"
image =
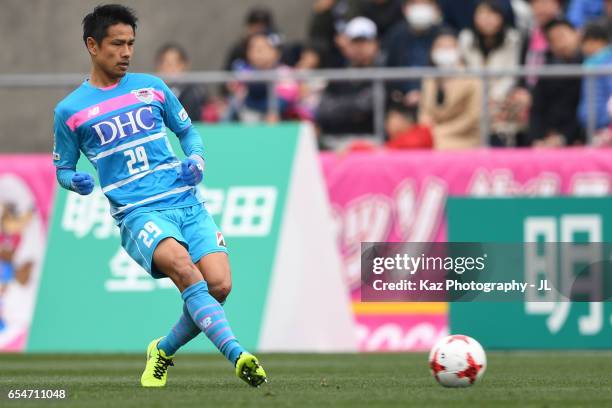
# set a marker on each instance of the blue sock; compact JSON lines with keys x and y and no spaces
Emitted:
{"x":182,"y":333}
{"x":209,"y":316}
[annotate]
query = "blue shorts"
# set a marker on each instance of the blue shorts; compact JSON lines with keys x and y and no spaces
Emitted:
{"x":191,"y":226}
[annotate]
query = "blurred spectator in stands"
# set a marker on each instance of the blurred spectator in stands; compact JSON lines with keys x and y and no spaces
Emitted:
{"x":404,"y":132}
{"x":451,"y":106}
{"x":384,"y":13}
{"x":459,"y":14}
{"x":326,"y":25}
{"x":172,"y":60}
{"x":346,"y":108}
{"x":408,"y":44}
{"x":606,"y":19}
{"x":249,"y":102}
{"x":552,"y":119}
{"x":598,"y":53}
{"x":535,"y":47}
{"x":523,"y":16}
{"x":580,"y":12}
{"x":492,"y":43}
{"x":310,"y":90}
{"x":257,"y":20}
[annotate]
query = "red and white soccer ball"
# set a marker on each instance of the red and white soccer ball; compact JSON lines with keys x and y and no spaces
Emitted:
{"x":457,"y":361}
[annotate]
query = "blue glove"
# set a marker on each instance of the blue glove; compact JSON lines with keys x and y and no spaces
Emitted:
{"x":82,"y":183}
{"x":192,"y":170}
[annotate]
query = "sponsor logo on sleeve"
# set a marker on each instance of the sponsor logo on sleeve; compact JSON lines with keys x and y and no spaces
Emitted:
{"x":183,"y":115}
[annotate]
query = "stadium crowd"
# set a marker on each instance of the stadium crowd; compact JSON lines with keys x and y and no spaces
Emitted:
{"x":442,"y":113}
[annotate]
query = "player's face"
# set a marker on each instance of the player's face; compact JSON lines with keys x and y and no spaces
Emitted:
{"x":113,"y":54}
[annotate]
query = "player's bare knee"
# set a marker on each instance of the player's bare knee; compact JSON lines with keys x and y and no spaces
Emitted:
{"x":221,"y":290}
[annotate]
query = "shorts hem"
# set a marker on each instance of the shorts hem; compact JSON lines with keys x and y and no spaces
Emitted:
{"x":155,"y":272}
{"x":212,"y":251}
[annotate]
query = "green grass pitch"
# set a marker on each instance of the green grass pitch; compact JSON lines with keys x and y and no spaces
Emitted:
{"x":513,"y":379}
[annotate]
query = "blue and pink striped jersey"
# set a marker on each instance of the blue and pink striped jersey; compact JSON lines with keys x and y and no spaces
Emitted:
{"x":122,"y":132}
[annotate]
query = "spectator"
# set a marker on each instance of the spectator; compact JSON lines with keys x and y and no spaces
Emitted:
{"x":310,"y":90}
{"x":172,"y":60}
{"x":403,"y":132}
{"x":536,"y":46}
{"x":580,"y":12}
{"x":598,"y":53}
{"x":327,"y":23}
{"x":607,"y":18}
{"x":459,"y":14}
{"x":492,"y":43}
{"x":249,"y":102}
{"x":408,"y":43}
{"x":451,"y":106}
{"x":258,"y":20}
{"x":523,"y":16}
{"x":554,"y":124}
{"x":346,"y":107}
{"x":384,"y":13}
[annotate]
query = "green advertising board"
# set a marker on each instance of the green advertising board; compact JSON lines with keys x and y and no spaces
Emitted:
{"x":93,"y":297}
{"x":550,"y":324}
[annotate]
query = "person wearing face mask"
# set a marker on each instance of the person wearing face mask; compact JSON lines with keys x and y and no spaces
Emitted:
{"x":408,"y":44}
{"x":451,"y":106}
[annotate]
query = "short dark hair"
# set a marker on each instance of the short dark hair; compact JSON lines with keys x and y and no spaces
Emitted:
{"x":556,"y":22}
{"x":260,"y":15}
{"x":171,"y":47}
{"x":596,"y":31}
{"x":96,"y":23}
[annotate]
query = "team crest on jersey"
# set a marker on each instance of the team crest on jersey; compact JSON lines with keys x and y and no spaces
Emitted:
{"x":95,"y":111}
{"x":144,"y":94}
{"x":220,"y":239}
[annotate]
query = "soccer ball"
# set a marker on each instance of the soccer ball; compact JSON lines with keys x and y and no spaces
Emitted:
{"x":457,"y":361}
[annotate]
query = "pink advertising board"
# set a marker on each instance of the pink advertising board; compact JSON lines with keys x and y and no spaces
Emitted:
{"x":401,"y":196}
{"x":27,"y":186}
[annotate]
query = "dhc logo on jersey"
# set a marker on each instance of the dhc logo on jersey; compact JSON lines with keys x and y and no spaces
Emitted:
{"x":124,"y":125}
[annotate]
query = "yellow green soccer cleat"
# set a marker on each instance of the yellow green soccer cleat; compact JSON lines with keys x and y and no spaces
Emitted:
{"x":156,"y":371}
{"x":249,"y":370}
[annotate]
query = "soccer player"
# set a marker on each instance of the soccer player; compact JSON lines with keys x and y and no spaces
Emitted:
{"x":118,"y":121}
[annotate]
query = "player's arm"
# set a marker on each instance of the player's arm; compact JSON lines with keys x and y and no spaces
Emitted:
{"x":177,"y":119}
{"x":65,"y":157}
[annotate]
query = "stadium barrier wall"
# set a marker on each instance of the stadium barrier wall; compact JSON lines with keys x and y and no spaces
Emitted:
{"x":403,"y":196}
{"x":260,"y":183}
{"x":552,"y":322}
{"x":265,"y":190}
{"x":26,"y":199}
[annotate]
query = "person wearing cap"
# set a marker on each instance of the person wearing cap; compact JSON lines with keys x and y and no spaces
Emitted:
{"x":346,"y":107}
